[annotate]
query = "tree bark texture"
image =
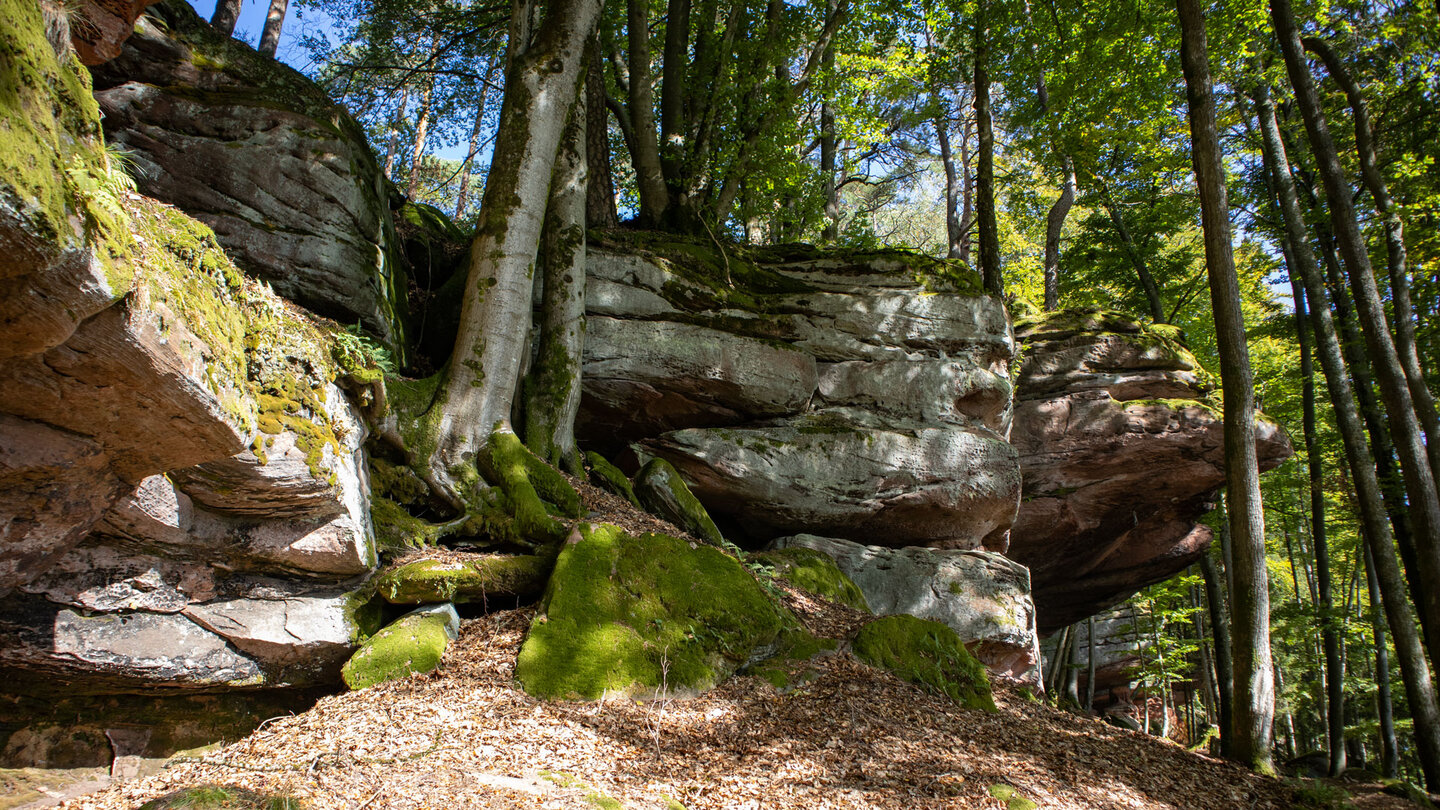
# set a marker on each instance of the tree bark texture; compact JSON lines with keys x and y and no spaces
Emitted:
{"x":954,"y":233}
{"x":600,"y":184}
{"x":227,"y":13}
{"x":985,"y":180}
{"x":270,"y":34}
{"x":1254,"y":709}
{"x":1054,"y":223}
{"x":1220,"y":629}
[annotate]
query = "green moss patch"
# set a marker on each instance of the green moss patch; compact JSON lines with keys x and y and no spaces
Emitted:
{"x":426,"y":582}
{"x":662,"y":492}
{"x":790,"y":665}
{"x":1012,"y":797}
{"x":222,"y":797}
{"x":608,"y":477}
{"x":927,"y":653}
{"x":814,"y":572}
{"x":413,"y":643}
{"x":624,"y":614}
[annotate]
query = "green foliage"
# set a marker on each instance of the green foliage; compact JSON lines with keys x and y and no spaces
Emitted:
{"x":927,"y":653}
{"x":622,"y":613}
{"x":1317,"y":795}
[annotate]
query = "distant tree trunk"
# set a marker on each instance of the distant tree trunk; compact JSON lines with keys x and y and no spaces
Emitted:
{"x":1330,"y":639}
{"x":1220,"y":628}
{"x":967,"y":195}
{"x":479,"y":385}
{"x":1054,"y":223}
{"x":1090,"y":666}
{"x":270,"y":34}
{"x":985,"y":182}
{"x":1070,"y":687}
{"x":227,"y":12}
{"x":422,"y":131}
{"x":553,"y":387}
{"x":600,"y":186}
{"x":645,"y":157}
{"x":1137,"y":260}
{"x":1415,"y":460}
{"x":394,"y":146}
{"x":954,"y":234}
{"x":1254,"y":709}
{"x":1384,"y":707}
{"x":831,"y":231}
{"x":1374,"y":526}
{"x":463,"y":198}
{"x":1394,"y":248}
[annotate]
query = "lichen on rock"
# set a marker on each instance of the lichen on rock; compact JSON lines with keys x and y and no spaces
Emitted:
{"x":628,"y":615}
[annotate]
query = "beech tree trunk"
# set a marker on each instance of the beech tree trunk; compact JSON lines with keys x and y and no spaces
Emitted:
{"x":1374,"y":526}
{"x":1137,"y":260}
{"x":422,"y":130}
{"x":553,"y":387}
{"x":1220,"y":628}
{"x":1090,"y":666}
{"x":1415,"y":462}
{"x":462,"y":199}
{"x":1384,"y":705}
{"x":600,"y":184}
{"x":270,"y":34}
{"x":394,"y":145}
{"x":479,"y":385}
{"x":227,"y":12}
{"x":1054,"y":223}
{"x":645,"y":154}
{"x":985,"y":181}
{"x":1394,"y":248}
{"x":954,"y":234}
{"x":1254,"y":710}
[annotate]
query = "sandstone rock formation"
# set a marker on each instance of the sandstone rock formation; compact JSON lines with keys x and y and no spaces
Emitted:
{"x":981,"y":595}
{"x":1121,"y":453}
{"x":861,"y":396}
{"x":256,"y":151}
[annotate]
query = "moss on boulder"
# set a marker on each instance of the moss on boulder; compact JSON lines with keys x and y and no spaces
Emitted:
{"x":662,"y":492}
{"x":425,"y":582}
{"x":413,"y":643}
{"x":624,"y":614}
{"x":608,"y":477}
{"x":927,"y":653}
{"x":815,"y":572}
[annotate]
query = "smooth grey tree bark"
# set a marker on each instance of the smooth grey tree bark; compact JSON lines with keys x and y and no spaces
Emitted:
{"x":1254,"y":678}
{"x":227,"y":13}
{"x":1220,"y":629}
{"x":274,"y":21}
{"x":1054,"y":224}
{"x":985,"y":171}
{"x":1374,"y":525}
{"x":1384,"y":705}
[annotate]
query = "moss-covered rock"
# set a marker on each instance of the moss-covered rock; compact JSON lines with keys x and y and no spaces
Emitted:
{"x":663,"y":493}
{"x":927,"y":653}
{"x":413,"y":643}
{"x":815,"y":572}
{"x":608,"y":477}
{"x":626,"y":614}
{"x":222,"y":797}
{"x":1013,"y":799}
{"x":426,"y":582}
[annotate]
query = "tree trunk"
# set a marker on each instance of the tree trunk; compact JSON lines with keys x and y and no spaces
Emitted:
{"x":954,"y":234}
{"x":270,"y":34}
{"x":645,"y":156}
{"x":227,"y":12}
{"x":422,"y":130}
{"x":1384,"y":707}
{"x":1090,"y":666}
{"x":1254,"y":709}
{"x":831,"y":231}
{"x":1220,"y":628}
{"x":989,"y":229}
{"x":1415,"y":463}
{"x":1070,"y":687}
{"x":600,"y":183}
{"x":1054,"y":223}
{"x":553,"y":387}
{"x":1334,"y":666}
{"x":394,"y":146}
{"x":1394,"y":248}
{"x":479,"y":384}
{"x":1374,"y":526}
{"x":1137,"y":260}
{"x":967,"y":195}
{"x":674,"y":70}
{"x":462,"y":199}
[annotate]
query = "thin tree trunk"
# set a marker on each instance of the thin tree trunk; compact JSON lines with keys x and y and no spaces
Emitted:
{"x":1375,"y":527}
{"x":394,"y":146}
{"x":422,"y":131}
{"x":600,"y":181}
{"x":270,"y":34}
{"x":1394,"y":248}
{"x":1250,"y":602}
{"x":462,"y":199}
{"x":831,"y":231}
{"x":989,"y":229}
{"x":1090,"y":666}
{"x":1334,"y":666}
{"x":1424,"y":501}
{"x":553,"y":387}
{"x":479,"y":385}
{"x":967,"y":195}
{"x":954,"y":234}
{"x":1137,"y":260}
{"x":1054,"y":223}
{"x":227,"y":12}
{"x":1071,"y":686}
{"x":649,"y":177}
{"x":1384,"y":707}
{"x":674,"y":70}
{"x":1220,"y":628}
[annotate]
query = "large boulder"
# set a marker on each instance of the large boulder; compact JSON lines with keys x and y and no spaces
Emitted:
{"x":1121,"y":451}
{"x":856,"y":395}
{"x":982,"y":596}
{"x":257,"y":151}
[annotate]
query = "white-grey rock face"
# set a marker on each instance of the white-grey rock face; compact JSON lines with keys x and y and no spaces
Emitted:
{"x":982,"y":596}
{"x":857,"y":397}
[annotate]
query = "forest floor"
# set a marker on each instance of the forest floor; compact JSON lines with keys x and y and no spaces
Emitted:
{"x":850,"y":737}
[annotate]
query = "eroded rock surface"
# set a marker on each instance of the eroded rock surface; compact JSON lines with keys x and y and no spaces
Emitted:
{"x":981,"y":595}
{"x":1121,"y":452}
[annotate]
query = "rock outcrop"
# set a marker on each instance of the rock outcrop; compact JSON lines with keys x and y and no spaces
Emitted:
{"x":862,"y":396}
{"x":1121,"y":453}
{"x":981,"y":595}
{"x":256,"y":151}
